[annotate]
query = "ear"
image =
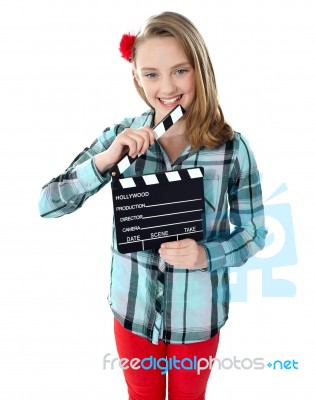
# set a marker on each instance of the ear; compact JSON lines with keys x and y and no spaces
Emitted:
{"x":137,"y":78}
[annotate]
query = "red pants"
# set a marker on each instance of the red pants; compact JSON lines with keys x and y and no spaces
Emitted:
{"x":184,"y":382}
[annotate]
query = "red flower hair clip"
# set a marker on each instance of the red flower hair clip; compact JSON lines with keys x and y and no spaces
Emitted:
{"x":126,"y":45}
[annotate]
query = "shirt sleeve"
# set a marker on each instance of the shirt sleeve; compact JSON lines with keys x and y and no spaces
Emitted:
{"x":246,"y":215}
{"x":69,"y":191}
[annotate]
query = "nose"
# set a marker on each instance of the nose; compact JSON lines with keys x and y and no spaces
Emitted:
{"x":168,"y":85}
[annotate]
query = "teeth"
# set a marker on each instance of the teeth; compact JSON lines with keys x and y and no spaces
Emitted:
{"x":170,"y":101}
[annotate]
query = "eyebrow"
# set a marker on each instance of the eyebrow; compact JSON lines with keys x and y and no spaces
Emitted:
{"x":183,"y":64}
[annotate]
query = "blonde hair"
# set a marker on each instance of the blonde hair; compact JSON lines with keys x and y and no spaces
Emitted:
{"x":205,"y":121}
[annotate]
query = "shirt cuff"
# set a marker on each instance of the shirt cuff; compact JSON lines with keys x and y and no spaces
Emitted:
{"x":89,"y":176}
{"x":215,"y":256}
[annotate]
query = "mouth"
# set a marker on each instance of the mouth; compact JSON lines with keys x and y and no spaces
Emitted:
{"x":171,"y":102}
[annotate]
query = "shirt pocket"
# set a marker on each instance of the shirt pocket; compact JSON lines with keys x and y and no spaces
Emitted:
{"x":211,"y":193}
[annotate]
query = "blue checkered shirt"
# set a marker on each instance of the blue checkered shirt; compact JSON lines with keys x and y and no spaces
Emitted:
{"x":149,"y":297}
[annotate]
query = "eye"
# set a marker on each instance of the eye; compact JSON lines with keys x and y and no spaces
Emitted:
{"x":181,"y":71}
{"x":151,"y":75}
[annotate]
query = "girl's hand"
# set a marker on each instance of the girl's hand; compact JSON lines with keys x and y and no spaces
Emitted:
{"x":184,"y":253}
{"x":131,"y":141}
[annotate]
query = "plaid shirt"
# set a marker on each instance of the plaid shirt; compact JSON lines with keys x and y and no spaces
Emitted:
{"x":148,"y":296}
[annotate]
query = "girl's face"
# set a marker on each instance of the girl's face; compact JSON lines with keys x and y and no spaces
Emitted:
{"x":163,"y":71}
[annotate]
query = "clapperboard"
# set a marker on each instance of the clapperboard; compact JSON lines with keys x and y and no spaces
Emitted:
{"x":155,"y":208}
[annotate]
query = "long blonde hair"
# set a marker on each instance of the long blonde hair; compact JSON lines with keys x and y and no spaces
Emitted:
{"x":205,"y":121}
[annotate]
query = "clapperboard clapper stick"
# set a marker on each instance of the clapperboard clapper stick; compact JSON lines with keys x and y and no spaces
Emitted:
{"x":158,"y":129}
{"x":155,"y":208}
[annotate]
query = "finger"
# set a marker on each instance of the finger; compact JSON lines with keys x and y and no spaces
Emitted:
{"x":171,"y":252}
{"x":151,"y":134}
{"x":171,"y":259}
{"x":144,"y":137}
{"x":134,"y":141}
{"x":187,"y":260}
{"x":148,"y":134}
{"x":131,"y":145}
{"x":178,"y":244}
{"x":146,"y":141}
{"x":175,"y":260}
{"x":183,"y":262}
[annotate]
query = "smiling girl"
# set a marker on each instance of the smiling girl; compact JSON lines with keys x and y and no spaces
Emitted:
{"x":172,"y":302}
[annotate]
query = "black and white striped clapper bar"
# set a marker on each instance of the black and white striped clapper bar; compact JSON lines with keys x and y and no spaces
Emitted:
{"x":156,"y":208}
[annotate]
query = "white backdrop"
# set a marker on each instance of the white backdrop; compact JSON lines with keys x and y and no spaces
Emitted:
{"x":62,"y":81}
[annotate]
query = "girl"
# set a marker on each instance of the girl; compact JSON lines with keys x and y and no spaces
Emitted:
{"x":170,"y":304}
